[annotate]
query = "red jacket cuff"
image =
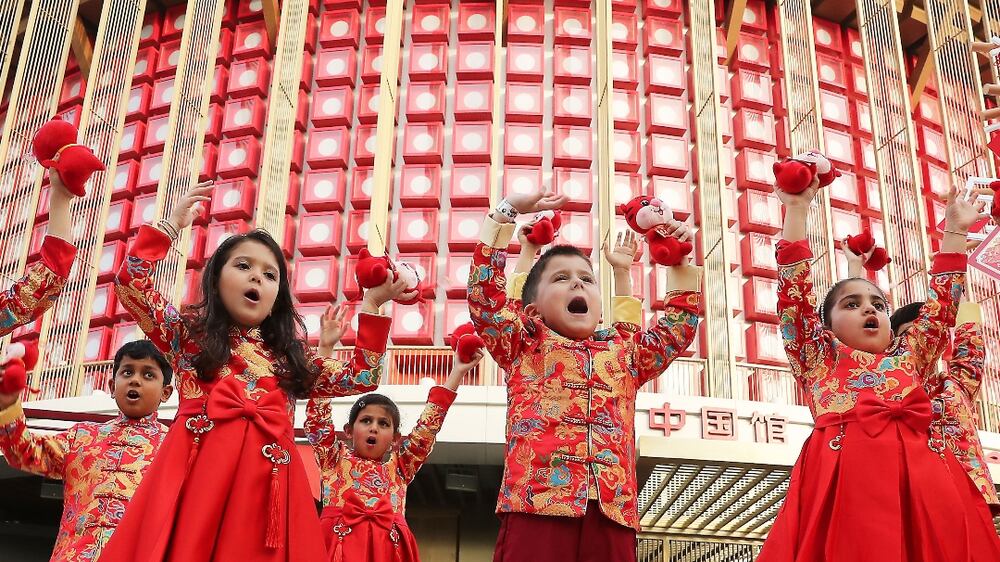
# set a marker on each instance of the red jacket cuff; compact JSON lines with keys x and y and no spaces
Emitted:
{"x":441,"y":396}
{"x":151,"y":244}
{"x":793,"y":252}
{"x":58,"y":255}
{"x":949,"y":262}
{"x":373,"y":332}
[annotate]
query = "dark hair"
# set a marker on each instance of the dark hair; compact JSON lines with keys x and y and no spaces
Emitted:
{"x":144,"y":349}
{"x":282,"y":331}
{"x":375,"y":399}
{"x":528,"y":294}
{"x":832,"y":294}
{"x":904,"y":315}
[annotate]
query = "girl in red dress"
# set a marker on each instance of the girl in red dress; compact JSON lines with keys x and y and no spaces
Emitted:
{"x":364,"y":493}
{"x":866,"y":486}
{"x":228,"y":483}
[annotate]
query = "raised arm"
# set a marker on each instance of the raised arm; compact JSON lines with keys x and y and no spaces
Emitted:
{"x":37,"y":454}
{"x":675,"y":329}
{"x":416,"y":446}
{"x":320,"y":431}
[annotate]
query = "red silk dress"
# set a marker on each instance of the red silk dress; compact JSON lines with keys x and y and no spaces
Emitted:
{"x":867,"y":486}
{"x":227,"y":483}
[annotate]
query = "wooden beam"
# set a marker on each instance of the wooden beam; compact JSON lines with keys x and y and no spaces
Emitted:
{"x":734,"y":20}
{"x":83,"y":48}
{"x":921,"y":74}
{"x":271,"y":17}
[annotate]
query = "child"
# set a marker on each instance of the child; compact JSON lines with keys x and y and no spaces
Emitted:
{"x":569,"y":485}
{"x":866,"y":486}
{"x":34,"y":293}
{"x":364,"y":494}
{"x":100,"y":464}
{"x":953,"y":395}
{"x":228,"y":483}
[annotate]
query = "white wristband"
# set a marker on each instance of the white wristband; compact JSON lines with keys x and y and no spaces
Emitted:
{"x":505,"y":212}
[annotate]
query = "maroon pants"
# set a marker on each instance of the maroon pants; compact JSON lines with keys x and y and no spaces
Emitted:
{"x":543,"y":538}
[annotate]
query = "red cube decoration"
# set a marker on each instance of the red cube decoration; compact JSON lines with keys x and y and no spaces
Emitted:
{"x":333,"y":107}
{"x":143,"y":210}
{"x":830,"y":72}
{"x":415,"y":325}
{"x":320,"y":234}
{"x":752,"y":52}
{"x":665,"y":75}
{"x":430,"y":22}
{"x":664,"y":36}
{"x":145,"y":65}
{"x":150,"y":172}
{"x":754,"y":169}
{"x":119,"y":214}
{"x":126,"y":176}
{"x":364,"y":145}
{"x":859,"y":80}
{"x":932,"y":144}
{"x":249,"y":77}
{"x":244,"y":116}
{"x":626,"y":151}
{"x":524,"y":102}
{"x":764,"y":345}
{"x":862,"y":118}
{"x":471,"y":142}
{"x":457,"y":268}
{"x":521,"y":179}
{"x":371,"y":64}
{"x":311,"y":315}
{"x":827,"y":36}
{"x":224,"y":52}
{"x":470,"y":185}
{"x":239,"y":157}
{"x":473,"y":101}
{"x":456,"y":313}
{"x":420,"y":186}
{"x":760,"y":296}
{"x":755,"y":129}
{"x":572,"y":146}
{"x":425,"y":102}
{"x":72,"y":90}
{"x":95,"y":347}
{"x":428,"y":61}
{"x":524,"y":62}
{"x":937,"y":180}
{"x":196,"y":247}
{"x":336,"y":67}
{"x":523,"y":144}
{"x":173,"y":22}
{"x":463,"y":228}
{"x":624,"y":31}
{"x":298,"y":153}
{"x":577,"y":230}
{"x":625,"y":107}
{"x":752,"y":88}
{"x":757,"y":255}
{"x":220,"y":85}
{"x":123,"y":333}
{"x":835,"y":108}
{"x":149,"y":33}
{"x":844,"y":223}
{"x":572,"y":26}
{"x":755,"y":18}
{"x":138,"y":102}
{"x":359,"y":230}
{"x":667,"y":114}
{"x":572,"y":65}
{"x":324,"y":190}
{"x":475,"y":21}
{"x":133,"y":139}
{"x":625,"y":69}
{"x":668,"y":156}
{"x":423,"y":143}
{"x":292,"y":201}
{"x":302,"y":110}
{"x":577,"y":185}
{"x":112,"y":255}
{"x":219,"y":232}
{"x":759,"y":212}
{"x":665,"y":7}
{"x":328,"y":148}
{"x":526,"y":23}
{"x":571,"y":105}
{"x":247,"y":10}
{"x":340,"y":28}
{"x":418,"y":230}
{"x":375,"y":26}
{"x":873,"y":197}
{"x":250,"y":40}
{"x":234,"y":199}
{"x":157,"y":129}
{"x":163,"y":96}
{"x":362,"y":187}
{"x":675,"y":193}
{"x":368,"y":104}
{"x":839,"y":147}
{"x":844,"y":191}
{"x":102,"y":308}
{"x":474,"y":61}
{"x":315,"y":279}
{"x":627,"y":186}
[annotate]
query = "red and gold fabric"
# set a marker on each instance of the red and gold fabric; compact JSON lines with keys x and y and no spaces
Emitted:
{"x":29,"y":297}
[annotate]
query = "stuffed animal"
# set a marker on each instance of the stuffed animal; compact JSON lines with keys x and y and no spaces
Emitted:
{"x":20,"y":359}
{"x":795,"y":174}
{"x":862,"y":243}
{"x":543,"y":228}
{"x":995,"y":206}
{"x":55,"y":146}
{"x":372,"y":271}
{"x":649,"y":217}
{"x":466,"y":342}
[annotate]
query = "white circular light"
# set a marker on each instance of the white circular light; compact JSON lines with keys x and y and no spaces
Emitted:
{"x":749,"y":16}
{"x":417,"y":228}
{"x":836,"y":149}
{"x":663,"y":36}
{"x":525,"y":23}
{"x":380,"y":25}
{"x":623,"y":149}
{"x":140,"y":67}
{"x":332,"y":106}
{"x":373,"y":102}
{"x":665,"y":75}
{"x":339,"y":28}
{"x":468,"y":228}
{"x":620,"y":69}
{"x":114,"y":218}
{"x":524,"y":143}
{"x":174,"y":57}
{"x":420,"y":184}
{"x":108,"y":259}
{"x":161,"y":133}
{"x":666,"y":114}
{"x":377,"y":63}
{"x":93,"y":345}
{"x":750,"y":52}
{"x":179,"y":22}
{"x":476,"y":22}
{"x":525,"y":61}
{"x":368,"y":186}
{"x":336,"y":66}
{"x":572,"y":145}
{"x":572,"y":26}
{"x":328,"y":147}
{"x":622,"y":110}
{"x":248,"y":77}
{"x":573,"y":64}
{"x":430,"y":22}
{"x":573,"y":232}
{"x":167,"y":94}
{"x":252,"y":40}
{"x":473,"y":100}
{"x":573,"y":188}
{"x":572,"y":104}
{"x":470,"y":184}
{"x":319,"y":232}
{"x":523,"y":185}
{"x":237,"y":156}
{"x":758,"y":169}
{"x":618,"y":31}
{"x":323,"y":189}
{"x":312,"y":322}
{"x":231,"y":198}
{"x":413,"y":321}
{"x":148,"y":211}
{"x":472,"y":141}
{"x":134,"y":102}
{"x":462,"y":272}
{"x":370,"y":143}
{"x":128,"y":139}
{"x":823,"y":36}
{"x":121,"y":179}
{"x":155,"y":170}
{"x":147,"y":31}
{"x":427,"y":61}
{"x":425,"y":101}
{"x":524,"y":101}
{"x":242,"y":116}
{"x":363,"y":231}
{"x":827,"y":72}
{"x":256,"y":5}
{"x":423,"y":142}
{"x":315,"y":277}
{"x":100,"y":302}
{"x":475,"y":60}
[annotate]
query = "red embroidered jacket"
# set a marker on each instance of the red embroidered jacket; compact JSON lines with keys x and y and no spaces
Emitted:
{"x":571,"y":404}
{"x":100,"y":464}
{"x":34,"y":293}
{"x":953,"y":398}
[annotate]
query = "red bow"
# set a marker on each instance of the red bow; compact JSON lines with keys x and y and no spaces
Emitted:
{"x":355,"y":511}
{"x":269,"y":414}
{"x":875,"y":415}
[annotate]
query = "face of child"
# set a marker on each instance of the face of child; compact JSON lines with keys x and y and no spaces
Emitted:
{"x":568,"y":299}
{"x":859,"y":317}
{"x":248,"y":283}
{"x":373,"y":432}
{"x":138,"y":387}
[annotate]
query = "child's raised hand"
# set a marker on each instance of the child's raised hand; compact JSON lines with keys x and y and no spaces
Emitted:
{"x":964,"y":210}
{"x":799,"y":200}
{"x":855,"y":262}
{"x":332,"y":326}
{"x":535,"y":202}
{"x":623,"y":253}
{"x":189,"y":205}
{"x":459,"y":370}
{"x":393,"y":288}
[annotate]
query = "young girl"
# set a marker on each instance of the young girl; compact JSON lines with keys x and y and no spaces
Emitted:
{"x":228,"y":483}
{"x":866,"y":486}
{"x":364,"y":493}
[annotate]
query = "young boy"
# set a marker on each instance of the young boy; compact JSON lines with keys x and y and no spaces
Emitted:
{"x":953,"y":395}
{"x":34,"y":293}
{"x":101,"y":464}
{"x":569,"y":486}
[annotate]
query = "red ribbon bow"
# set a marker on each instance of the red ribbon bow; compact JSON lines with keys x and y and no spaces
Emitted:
{"x":269,"y":414}
{"x":355,"y":511}
{"x":913,"y":411}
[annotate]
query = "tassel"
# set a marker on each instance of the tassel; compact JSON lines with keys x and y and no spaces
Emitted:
{"x":274,"y":513}
{"x":338,"y":554}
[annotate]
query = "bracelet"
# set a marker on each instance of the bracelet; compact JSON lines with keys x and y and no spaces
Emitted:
{"x":505,"y":211}
{"x":956,"y":232}
{"x":168,"y":229}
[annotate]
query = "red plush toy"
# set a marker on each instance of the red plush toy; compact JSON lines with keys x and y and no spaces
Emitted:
{"x":19,"y":360}
{"x":995,"y":207}
{"x":794,"y":175}
{"x":862,"y":243}
{"x":371,"y":271}
{"x":466,"y":342}
{"x":55,"y":146}
{"x":543,"y":228}
{"x":649,"y":216}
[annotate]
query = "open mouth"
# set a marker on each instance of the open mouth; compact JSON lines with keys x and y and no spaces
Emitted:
{"x":578,"y":306}
{"x":871,"y":323}
{"x":132,"y":394}
{"x":371,"y":441}
{"x":252,"y":295}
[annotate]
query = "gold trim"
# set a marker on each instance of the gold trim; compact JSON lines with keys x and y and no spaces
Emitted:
{"x":605,"y":158}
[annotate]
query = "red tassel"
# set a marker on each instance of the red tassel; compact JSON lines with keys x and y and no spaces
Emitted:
{"x":338,"y":553}
{"x":274,"y":530}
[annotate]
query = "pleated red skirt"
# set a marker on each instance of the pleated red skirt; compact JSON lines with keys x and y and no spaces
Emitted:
{"x":358,"y":533}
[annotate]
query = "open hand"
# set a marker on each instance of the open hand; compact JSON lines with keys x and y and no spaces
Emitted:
{"x":332,"y":326}
{"x":535,"y":202}
{"x":623,"y":253}
{"x":964,"y":210}
{"x":189,"y":205}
